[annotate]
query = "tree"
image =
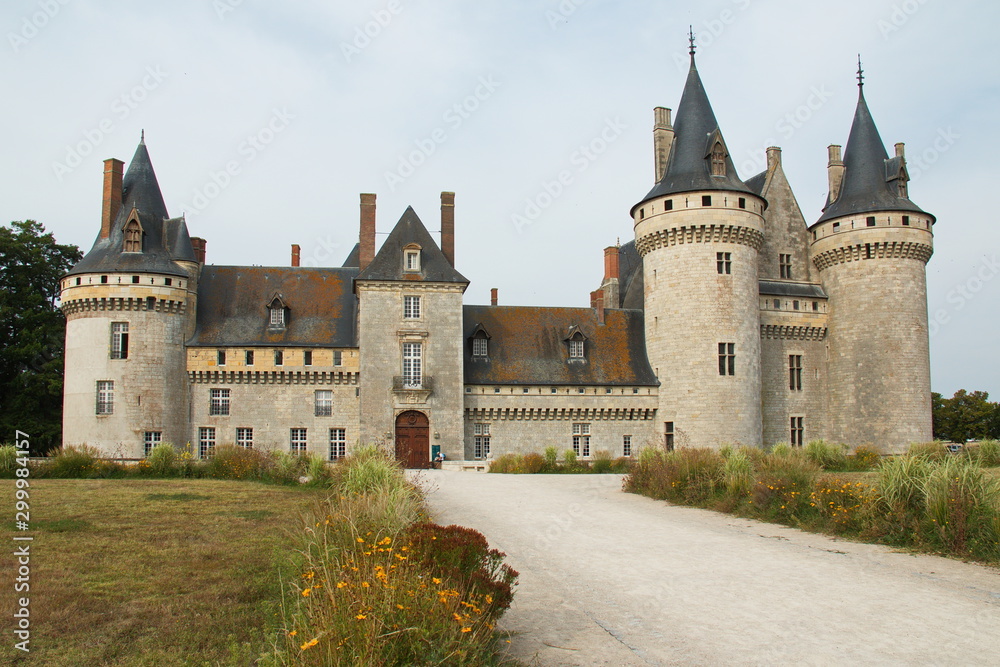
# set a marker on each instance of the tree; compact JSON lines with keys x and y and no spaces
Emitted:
{"x":32,"y":330}
{"x":965,"y":416}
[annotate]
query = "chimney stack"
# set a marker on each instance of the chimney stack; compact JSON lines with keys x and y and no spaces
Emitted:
{"x":493,"y":296}
{"x":367,"y":240}
{"x":597,"y":302}
{"x":112,"y":200}
{"x":198,"y":245}
{"x":296,"y":254}
{"x":835,"y":171}
{"x":901,"y":149}
{"x":663,"y":138}
{"x":773,"y":157}
{"x":611,"y":263}
{"x":448,"y":226}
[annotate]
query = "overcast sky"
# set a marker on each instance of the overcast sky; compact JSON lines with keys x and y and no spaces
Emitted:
{"x":266,"y":120}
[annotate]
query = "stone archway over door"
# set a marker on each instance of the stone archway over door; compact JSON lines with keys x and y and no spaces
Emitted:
{"x":413,"y":444}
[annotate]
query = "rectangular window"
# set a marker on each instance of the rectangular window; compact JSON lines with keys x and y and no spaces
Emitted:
{"x":785,"y":266}
{"x":279,"y":358}
{"x":206,"y":441}
{"x":906,"y":221}
{"x":248,"y":358}
{"x":277,"y":317}
{"x":412,"y":365}
{"x":706,"y":200}
{"x":795,"y":372}
{"x":298,"y":443}
{"x":777,"y":304}
{"x":795,"y":305}
{"x":480,"y":346}
{"x":411,"y":307}
{"x":119,"y":340}
{"x":727,"y":358}
{"x":668,"y":436}
{"x":244,"y":437}
{"x":338,"y":443}
{"x":324,"y":402}
{"x":307,"y":358}
{"x":626,"y":445}
{"x":338,"y":358}
{"x":220,"y":358}
{"x":815,"y":305}
{"x":481,"y":441}
{"x":581,"y":439}
{"x":105,"y":397}
{"x":576,"y":349}
{"x":668,"y":205}
{"x":168,"y":282}
{"x":836,"y":227}
{"x":150,"y":439}
{"x":724,"y":262}
{"x":218,"y":402}
{"x":870,"y":220}
{"x":411,"y":261}
{"x":796,"y":431}
{"x":743,"y":202}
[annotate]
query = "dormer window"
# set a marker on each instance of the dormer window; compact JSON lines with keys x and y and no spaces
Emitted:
{"x":277,"y":313}
{"x":718,"y":160}
{"x":133,"y":234}
{"x":902,"y":186}
{"x":277,"y":317}
{"x":480,"y":340}
{"x":411,"y":258}
{"x":575,"y":341}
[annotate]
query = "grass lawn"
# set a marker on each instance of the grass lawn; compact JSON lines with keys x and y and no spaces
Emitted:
{"x":150,"y":572}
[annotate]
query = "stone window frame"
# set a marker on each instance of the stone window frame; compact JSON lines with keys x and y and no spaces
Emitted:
{"x":206,"y":441}
{"x":248,"y":357}
{"x":627,"y":444}
{"x":796,"y":430}
{"x":724,"y":263}
{"x":411,"y":307}
{"x":119,"y":340}
{"x":481,"y":441}
{"x":795,"y":371}
{"x":338,"y":443}
{"x":219,"y":401}
{"x":323,"y":403}
{"x":105,"y":397}
{"x":411,"y":258}
{"x":727,"y":359}
{"x":150,"y":439}
{"x":412,"y":364}
{"x":785,"y":266}
{"x":581,"y":440}
{"x":244,"y":437}
{"x":298,"y":440}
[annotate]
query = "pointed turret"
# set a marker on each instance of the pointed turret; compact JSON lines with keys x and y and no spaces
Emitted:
{"x":871,"y":180}
{"x":428,"y":263}
{"x":699,"y":159}
{"x":142,"y":236}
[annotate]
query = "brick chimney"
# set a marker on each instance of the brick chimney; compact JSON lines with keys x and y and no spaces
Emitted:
{"x":367,"y":240}
{"x":112,"y":200}
{"x":493,"y":296}
{"x":835,"y":171}
{"x":296,"y":254}
{"x":448,"y":226}
{"x":198,"y":244}
{"x":597,"y":302}
{"x":611,"y":263}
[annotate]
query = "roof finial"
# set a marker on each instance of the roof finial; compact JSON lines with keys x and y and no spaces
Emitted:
{"x":691,"y":40}
{"x":861,"y":73}
{"x":142,"y":136}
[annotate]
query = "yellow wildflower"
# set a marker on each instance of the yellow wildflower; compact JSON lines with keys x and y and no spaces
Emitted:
{"x":309,"y":644}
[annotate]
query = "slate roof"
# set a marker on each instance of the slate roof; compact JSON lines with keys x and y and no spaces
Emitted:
{"x":164,"y":239}
{"x":695,"y":132}
{"x":528,"y":347}
{"x":781,"y":288}
{"x":388,"y":262}
{"x":630,"y":281}
{"x":756,"y":183}
{"x":869,"y":182}
{"x":232,"y":306}
{"x":354,"y":258}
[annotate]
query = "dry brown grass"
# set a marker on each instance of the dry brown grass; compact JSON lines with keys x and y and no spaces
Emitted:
{"x":151,"y":572}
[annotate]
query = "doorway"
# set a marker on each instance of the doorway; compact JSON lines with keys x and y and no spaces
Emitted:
{"x":413,"y":439}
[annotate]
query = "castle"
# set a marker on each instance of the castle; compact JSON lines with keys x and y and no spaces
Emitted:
{"x":729,"y":319}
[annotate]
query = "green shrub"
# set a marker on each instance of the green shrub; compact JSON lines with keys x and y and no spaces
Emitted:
{"x":963,"y":507}
{"x":826,"y":455}
{"x":569,"y":459}
{"x":864,"y":457}
{"x":234,"y":462}
{"x":622,"y":464}
{"x":844,"y":504}
{"x":508,"y":463}
{"x":601,"y":462}
{"x":782,"y":449}
{"x":73,"y":462}
{"x":368,"y":470}
{"x":782,"y":486}
{"x":8,"y":460}
{"x":532,"y":463}
{"x":551,"y":459}
{"x":162,"y":460}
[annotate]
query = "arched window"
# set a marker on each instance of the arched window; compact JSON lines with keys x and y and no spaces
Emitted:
{"x":718,"y":160}
{"x":133,"y":236}
{"x":901,"y":182}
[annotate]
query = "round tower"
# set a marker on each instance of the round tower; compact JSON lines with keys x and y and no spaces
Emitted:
{"x":699,"y":231}
{"x":129,"y":307}
{"x":871,"y":246}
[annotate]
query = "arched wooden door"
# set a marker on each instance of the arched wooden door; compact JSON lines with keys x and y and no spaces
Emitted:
{"x":413,"y":443}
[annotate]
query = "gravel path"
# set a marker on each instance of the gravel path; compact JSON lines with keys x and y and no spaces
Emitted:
{"x":610,"y":578}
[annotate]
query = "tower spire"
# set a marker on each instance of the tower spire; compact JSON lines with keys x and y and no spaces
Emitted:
{"x":691,"y":41}
{"x":861,"y":74}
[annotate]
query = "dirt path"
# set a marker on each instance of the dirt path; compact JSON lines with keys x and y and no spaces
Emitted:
{"x":609,"y":578}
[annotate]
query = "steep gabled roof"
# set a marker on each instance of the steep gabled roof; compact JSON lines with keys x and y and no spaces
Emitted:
{"x":866,"y":186}
{"x":165,"y":240}
{"x":388,"y":263}
{"x":695,"y":133}
{"x":233,"y":306}
{"x":528,"y":347}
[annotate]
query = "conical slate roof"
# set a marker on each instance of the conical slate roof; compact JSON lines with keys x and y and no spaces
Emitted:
{"x":695,"y":133}
{"x":388,"y":263}
{"x":870,"y":180}
{"x":165,"y":240}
